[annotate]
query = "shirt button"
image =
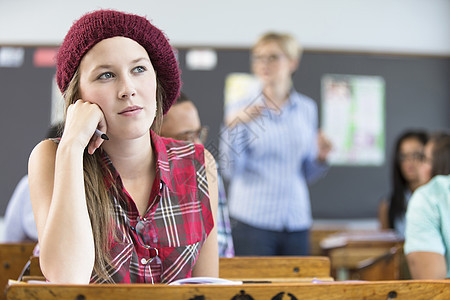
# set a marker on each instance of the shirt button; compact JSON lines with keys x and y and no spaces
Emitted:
{"x":143,"y":261}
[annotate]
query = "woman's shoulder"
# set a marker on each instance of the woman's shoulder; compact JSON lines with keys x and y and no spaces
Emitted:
{"x":303,"y":99}
{"x":437,"y":188}
{"x":42,"y":157}
{"x":45,"y":147}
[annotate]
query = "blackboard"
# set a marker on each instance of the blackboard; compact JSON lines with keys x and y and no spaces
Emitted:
{"x":417,"y":96}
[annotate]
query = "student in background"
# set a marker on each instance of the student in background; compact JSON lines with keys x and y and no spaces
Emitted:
{"x":183,"y":123}
{"x":270,"y":152}
{"x":427,"y":235}
{"x":435,"y":160}
{"x":19,"y":224}
{"x":134,"y":208}
{"x":405,"y":179}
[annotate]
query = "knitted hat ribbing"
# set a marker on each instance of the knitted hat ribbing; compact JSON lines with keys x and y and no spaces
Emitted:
{"x":102,"y":24}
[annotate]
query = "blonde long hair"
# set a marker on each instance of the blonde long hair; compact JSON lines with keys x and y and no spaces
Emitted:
{"x":98,"y":197}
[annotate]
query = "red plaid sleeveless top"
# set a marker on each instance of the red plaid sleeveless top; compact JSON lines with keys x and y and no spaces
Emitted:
{"x":164,"y":244}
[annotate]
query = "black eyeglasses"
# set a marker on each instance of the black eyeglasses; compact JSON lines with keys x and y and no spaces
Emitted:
{"x":144,"y":225}
{"x":194,"y":136}
{"x":414,"y":156}
{"x":268,"y":59}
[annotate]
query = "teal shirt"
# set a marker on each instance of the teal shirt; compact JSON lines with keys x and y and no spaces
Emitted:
{"x":428,"y":219}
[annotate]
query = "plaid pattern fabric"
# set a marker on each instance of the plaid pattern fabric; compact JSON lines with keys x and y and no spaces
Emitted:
{"x":176,"y":223}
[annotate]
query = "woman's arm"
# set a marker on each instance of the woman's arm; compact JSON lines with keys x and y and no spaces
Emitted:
{"x":59,"y":205}
{"x":244,"y":115}
{"x":208,"y":260}
{"x":427,"y":265}
{"x":58,"y":198}
{"x":383,"y":214}
{"x":424,"y":243}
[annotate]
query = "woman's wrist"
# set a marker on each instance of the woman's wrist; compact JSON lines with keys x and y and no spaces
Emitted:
{"x":70,"y":147}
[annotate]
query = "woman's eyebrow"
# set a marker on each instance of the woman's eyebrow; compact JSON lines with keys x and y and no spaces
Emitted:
{"x":108,"y":66}
{"x":140,"y":59}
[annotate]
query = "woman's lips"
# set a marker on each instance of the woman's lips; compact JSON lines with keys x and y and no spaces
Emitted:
{"x":131,"y":111}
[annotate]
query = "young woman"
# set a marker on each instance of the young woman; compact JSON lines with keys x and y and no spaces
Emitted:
{"x":406,"y":179}
{"x":427,"y":235}
{"x":271,"y":151}
{"x":135,"y":208}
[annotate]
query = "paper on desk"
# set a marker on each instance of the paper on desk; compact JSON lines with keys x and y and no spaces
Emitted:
{"x":205,"y":280}
{"x":12,"y":282}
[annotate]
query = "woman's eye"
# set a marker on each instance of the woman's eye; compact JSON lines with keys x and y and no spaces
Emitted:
{"x":106,"y":75}
{"x":139,"y":69}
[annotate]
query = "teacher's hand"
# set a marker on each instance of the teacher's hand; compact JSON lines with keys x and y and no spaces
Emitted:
{"x":324,"y":146}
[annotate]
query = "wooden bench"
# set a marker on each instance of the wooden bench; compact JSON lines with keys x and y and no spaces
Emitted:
{"x":283,"y":268}
{"x":373,"y":290}
{"x":13,"y":257}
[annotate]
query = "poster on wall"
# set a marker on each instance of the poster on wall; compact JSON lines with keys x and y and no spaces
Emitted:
{"x":239,"y":86}
{"x":353,"y":118}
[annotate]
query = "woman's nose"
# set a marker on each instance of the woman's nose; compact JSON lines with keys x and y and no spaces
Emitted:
{"x":127,"y":89}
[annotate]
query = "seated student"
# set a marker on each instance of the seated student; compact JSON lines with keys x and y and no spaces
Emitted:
{"x":183,"y":123}
{"x":19,"y":224}
{"x":427,"y":235}
{"x":405,"y":180}
{"x":128,"y":206}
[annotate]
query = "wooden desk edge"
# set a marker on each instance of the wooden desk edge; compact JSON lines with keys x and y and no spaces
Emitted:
{"x":276,"y":284}
{"x":424,"y":289}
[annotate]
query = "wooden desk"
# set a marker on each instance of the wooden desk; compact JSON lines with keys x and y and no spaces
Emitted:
{"x":357,"y":250}
{"x":13,"y":257}
{"x":274,"y":267}
{"x":398,"y":290}
{"x":281,"y":268}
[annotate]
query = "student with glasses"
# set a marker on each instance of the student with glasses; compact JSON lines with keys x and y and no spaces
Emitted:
{"x":113,"y":201}
{"x":182,"y":122}
{"x":271,"y":150}
{"x":405,"y":179}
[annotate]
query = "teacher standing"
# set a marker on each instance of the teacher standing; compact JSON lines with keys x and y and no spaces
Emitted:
{"x":270,"y":151}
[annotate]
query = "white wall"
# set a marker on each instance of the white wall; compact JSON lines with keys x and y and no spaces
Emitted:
{"x":402,"y":26}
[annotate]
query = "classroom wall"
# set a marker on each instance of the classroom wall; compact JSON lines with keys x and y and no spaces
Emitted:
{"x":402,"y":26}
{"x":417,"y":96}
{"x":418,"y":81}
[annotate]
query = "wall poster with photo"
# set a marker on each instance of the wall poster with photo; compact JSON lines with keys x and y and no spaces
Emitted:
{"x":353,"y":118}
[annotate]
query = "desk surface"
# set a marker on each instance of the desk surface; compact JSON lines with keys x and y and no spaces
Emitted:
{"x":366,"y":238}
{"x":337,"y":290}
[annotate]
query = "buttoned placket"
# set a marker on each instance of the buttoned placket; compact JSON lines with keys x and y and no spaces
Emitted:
{"x":146,"y":262}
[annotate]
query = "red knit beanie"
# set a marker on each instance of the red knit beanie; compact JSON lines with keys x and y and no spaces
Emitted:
{"x":102,"y":24}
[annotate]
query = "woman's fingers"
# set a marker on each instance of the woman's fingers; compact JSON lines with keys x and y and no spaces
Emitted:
{"x":94,"y":144}
{"x":83,"y":118}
